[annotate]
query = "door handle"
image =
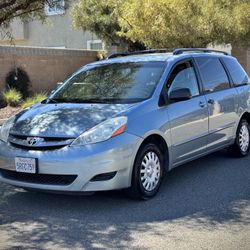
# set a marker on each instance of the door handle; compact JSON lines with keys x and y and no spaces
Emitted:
{"x":211,"y":101}
{"x":202,"y":104}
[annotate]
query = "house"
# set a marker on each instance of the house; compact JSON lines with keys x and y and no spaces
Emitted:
{"x":57,"y":32}
{"x":53,"y":46}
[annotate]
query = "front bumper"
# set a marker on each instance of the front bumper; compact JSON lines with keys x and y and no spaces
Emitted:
{"x":115,"y":155}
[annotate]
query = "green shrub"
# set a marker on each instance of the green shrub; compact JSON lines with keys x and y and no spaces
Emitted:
{"x":18,"y":79}
{"x":12,"y":97}
{"x":32,"y":100}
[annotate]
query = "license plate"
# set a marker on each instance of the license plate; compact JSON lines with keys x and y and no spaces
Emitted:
{"x":26,"y":165}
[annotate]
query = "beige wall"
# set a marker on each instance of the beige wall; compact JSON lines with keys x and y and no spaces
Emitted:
{"x":44,"y":66}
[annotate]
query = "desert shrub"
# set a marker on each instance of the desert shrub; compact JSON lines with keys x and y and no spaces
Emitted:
{"x":32,"y":100}
{"x":12,"y":97}
{"x":2,"y":101}
{"x":18,"y":79}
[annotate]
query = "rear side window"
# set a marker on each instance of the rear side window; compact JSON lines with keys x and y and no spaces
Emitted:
{"x":213,"y":74}
{"x":237,"y":73}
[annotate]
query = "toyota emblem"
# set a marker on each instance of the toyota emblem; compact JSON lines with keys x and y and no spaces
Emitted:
{"x":34,"y":140}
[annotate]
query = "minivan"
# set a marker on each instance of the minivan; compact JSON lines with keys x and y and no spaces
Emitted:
{"x":123,"y":122}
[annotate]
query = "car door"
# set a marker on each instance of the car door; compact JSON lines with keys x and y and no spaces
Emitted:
{"x":221,"y":99}
{"x":188,"y":118}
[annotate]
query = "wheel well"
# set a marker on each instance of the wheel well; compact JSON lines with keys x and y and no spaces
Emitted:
{"x":246,"y":116}
{"x":159,"y":141}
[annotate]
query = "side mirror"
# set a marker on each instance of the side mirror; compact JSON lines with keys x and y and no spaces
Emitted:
{"x":180,"y":95}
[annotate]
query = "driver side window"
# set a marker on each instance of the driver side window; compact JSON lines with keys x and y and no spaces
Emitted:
{"x":183,"y":76}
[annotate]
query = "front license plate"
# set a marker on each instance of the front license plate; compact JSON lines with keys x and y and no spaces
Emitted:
{"x":26,"y":165}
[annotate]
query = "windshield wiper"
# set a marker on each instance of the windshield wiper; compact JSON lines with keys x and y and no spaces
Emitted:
{"x":92,"y":100}
{"x":95,"y":100}
{"x":49,"y":100}
{"x":102,"y":100}
{"x":75,"y":100}
{"x":123,"y":100}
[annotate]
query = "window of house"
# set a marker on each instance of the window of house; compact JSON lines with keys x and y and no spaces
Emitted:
{"x":213,"y":74}
{"x":95,"y":45}
{"x":56,"y":9}
{"x":183,"y":76}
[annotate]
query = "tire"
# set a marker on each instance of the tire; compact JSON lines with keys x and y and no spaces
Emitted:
{"x":147,"y":173}
{"x":241,"y":146}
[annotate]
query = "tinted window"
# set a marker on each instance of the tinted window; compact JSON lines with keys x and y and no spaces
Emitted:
{"x":183,"y":76}
{"x":213,"y":74}
{"x":116,"y":82}
{"x":237,"y":73}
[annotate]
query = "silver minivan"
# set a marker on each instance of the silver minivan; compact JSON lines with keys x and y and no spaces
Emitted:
{"x":123,"y":122}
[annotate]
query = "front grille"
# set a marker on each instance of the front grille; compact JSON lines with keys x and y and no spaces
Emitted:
{"x":42,"y":143}
{"x":35,"y":148}
{"x":45,"y":179}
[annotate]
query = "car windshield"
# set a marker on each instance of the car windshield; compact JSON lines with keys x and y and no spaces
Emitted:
{"x":111,"y":83}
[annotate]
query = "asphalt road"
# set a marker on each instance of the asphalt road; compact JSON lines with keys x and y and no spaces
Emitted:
{"x":202,"y":205}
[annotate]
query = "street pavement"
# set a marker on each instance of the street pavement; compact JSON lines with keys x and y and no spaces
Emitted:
{"x":204,"y":204}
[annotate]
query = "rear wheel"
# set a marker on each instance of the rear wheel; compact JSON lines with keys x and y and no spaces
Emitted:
{"x":147,"y":172}
{"x":242,"y":141}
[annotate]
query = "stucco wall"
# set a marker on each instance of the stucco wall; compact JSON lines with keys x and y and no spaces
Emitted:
{"x":44,"y":66}
{"x":57,"y":31}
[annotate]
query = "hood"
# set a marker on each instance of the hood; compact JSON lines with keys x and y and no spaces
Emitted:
{"x":64,"y":120}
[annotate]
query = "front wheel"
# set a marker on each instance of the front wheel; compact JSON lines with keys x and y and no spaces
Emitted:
{"x":147,"y":172}
{"x":241,"y":146}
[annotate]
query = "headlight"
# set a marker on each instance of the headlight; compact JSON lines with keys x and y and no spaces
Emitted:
{"x":102,"y":131}
{"x":5,"y":129}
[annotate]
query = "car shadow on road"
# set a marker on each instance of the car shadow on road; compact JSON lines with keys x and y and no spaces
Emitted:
{"x":206,"y":193}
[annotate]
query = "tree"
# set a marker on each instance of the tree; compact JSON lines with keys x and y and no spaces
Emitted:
{"x":177,"y":23}
{"x":166,"y":23}
{"x":101,"y":18}
{"x":25,"y":9}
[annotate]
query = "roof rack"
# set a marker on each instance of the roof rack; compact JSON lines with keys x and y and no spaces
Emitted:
{"x":141,"y":52}
{"x":174,"y":51}
{"x":202,"y":50}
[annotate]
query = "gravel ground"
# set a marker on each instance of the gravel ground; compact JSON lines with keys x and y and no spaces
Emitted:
{"x":8,"y":111}
{"x":202,"y":205}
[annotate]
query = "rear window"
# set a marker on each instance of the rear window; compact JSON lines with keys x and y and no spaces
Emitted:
{"x":213,"y":74}
{"x":237,"y":73}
